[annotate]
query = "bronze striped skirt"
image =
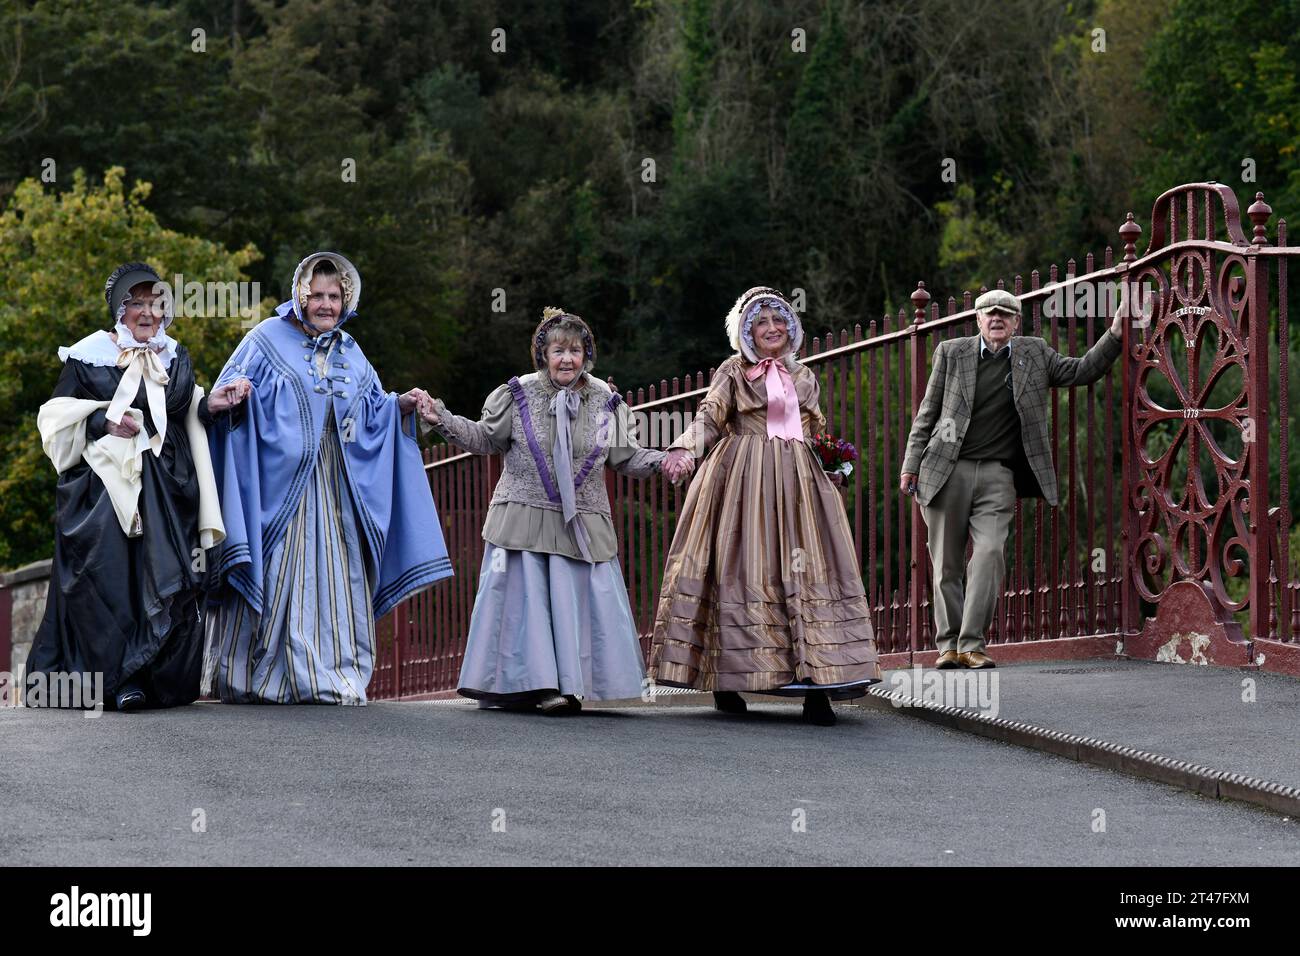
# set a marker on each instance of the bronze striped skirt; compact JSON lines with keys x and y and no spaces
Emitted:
{"x":762,"y":586}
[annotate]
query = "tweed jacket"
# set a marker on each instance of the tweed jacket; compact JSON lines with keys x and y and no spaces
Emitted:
{"x":941,"y":422}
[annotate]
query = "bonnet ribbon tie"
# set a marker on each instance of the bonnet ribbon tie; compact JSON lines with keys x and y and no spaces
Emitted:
{"x":327,"y":341}
{"x":782,"y":402}
{"x":142,"y":364}
{"x":564,"y":406}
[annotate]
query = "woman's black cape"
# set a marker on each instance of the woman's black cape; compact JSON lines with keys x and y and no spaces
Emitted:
{"x":127,"y":607}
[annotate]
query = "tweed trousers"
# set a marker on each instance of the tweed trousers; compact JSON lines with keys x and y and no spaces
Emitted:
{"x":975,"y":503}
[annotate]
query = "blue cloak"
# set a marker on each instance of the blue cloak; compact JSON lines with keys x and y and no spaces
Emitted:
{"x":264,"y":454}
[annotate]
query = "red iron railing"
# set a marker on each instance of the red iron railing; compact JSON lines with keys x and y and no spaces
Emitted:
{"x":1080,"y":577}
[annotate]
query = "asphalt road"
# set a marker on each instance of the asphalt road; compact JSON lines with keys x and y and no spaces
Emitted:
{"x":417,"y":783}
{"x":1225,"y":718}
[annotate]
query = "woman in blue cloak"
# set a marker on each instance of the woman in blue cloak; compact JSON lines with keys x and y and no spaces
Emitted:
{"x":330,"y":522}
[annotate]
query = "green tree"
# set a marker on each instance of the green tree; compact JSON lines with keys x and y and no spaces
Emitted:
{"x":56,"y":249}
{"x":1227,"y":75}
{"x":129,"y":82}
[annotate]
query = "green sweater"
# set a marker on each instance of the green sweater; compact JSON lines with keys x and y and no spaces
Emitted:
{"x":994,"y":430}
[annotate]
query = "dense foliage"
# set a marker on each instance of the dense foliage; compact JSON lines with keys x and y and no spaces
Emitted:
{"x":639,"y":163}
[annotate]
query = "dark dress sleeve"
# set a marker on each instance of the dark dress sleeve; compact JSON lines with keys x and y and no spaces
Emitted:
{"x":206,"y":416}
{"x":232,"y":418}
{"x":70,"y":385}
{"x":96,"y":425}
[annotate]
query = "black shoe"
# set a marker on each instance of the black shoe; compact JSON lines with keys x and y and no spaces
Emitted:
{"x":130,"y":698}
{"x":817,"y":709}
{"x":558,"y":705}
{"x":521,"y":706}
{"x":729,"y":702}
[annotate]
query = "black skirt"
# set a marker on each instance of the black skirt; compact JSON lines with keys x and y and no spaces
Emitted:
{"x":127,"y":608}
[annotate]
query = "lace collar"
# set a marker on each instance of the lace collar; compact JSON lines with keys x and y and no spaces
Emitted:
{"x":98,"y":348}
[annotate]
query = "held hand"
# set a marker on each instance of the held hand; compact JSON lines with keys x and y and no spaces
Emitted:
{"x":126,"y":428}
{"x":907,"y":484}
{"x":678,"y":464}
{"x":408,"y":401}
{"x":836,"y":479}
{"x":228,"y":396}
{"x":428,"y":410}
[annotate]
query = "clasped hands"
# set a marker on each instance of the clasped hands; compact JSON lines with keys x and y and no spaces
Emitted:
{"x":226,"y":397}
{"x":678,"y":464}
{"x":420,"y":401}
{"x":222,"y":399}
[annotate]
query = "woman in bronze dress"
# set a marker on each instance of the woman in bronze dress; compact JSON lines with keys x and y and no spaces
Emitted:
{"x":762,"y":590}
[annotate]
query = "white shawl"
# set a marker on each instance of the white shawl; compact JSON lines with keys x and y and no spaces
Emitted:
{"x":118,"y":461}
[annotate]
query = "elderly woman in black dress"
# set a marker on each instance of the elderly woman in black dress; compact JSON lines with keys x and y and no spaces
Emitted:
{"x":135,"y":511}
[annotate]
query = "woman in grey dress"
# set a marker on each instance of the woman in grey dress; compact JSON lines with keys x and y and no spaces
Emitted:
{"x":551,"y":623}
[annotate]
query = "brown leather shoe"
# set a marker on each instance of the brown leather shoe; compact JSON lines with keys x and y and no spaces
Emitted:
{"x":948,"y":660}
{"x":976,"y":661}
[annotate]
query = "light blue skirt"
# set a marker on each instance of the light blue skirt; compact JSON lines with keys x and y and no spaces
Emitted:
{"x":315,"y":640}
{"x":544,"y":623}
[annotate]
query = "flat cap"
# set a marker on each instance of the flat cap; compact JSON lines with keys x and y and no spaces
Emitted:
{"x":998,"y":299}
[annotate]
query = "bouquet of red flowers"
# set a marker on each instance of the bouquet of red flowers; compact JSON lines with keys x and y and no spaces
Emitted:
{"x":837,"y":456}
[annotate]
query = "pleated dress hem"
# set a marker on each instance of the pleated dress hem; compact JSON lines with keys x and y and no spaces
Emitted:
{"x":544,"y":624}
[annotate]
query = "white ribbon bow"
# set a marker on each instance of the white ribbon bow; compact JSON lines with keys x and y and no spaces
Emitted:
{"x":142,"y":364}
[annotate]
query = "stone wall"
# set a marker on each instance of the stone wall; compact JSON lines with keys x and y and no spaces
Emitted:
{"x":26,"y":586}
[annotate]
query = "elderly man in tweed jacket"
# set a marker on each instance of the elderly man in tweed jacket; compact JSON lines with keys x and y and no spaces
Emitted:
{"x":979,"y":441}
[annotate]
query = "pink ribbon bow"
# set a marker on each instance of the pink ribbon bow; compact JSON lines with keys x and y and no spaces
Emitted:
{"x":782,"y":402}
